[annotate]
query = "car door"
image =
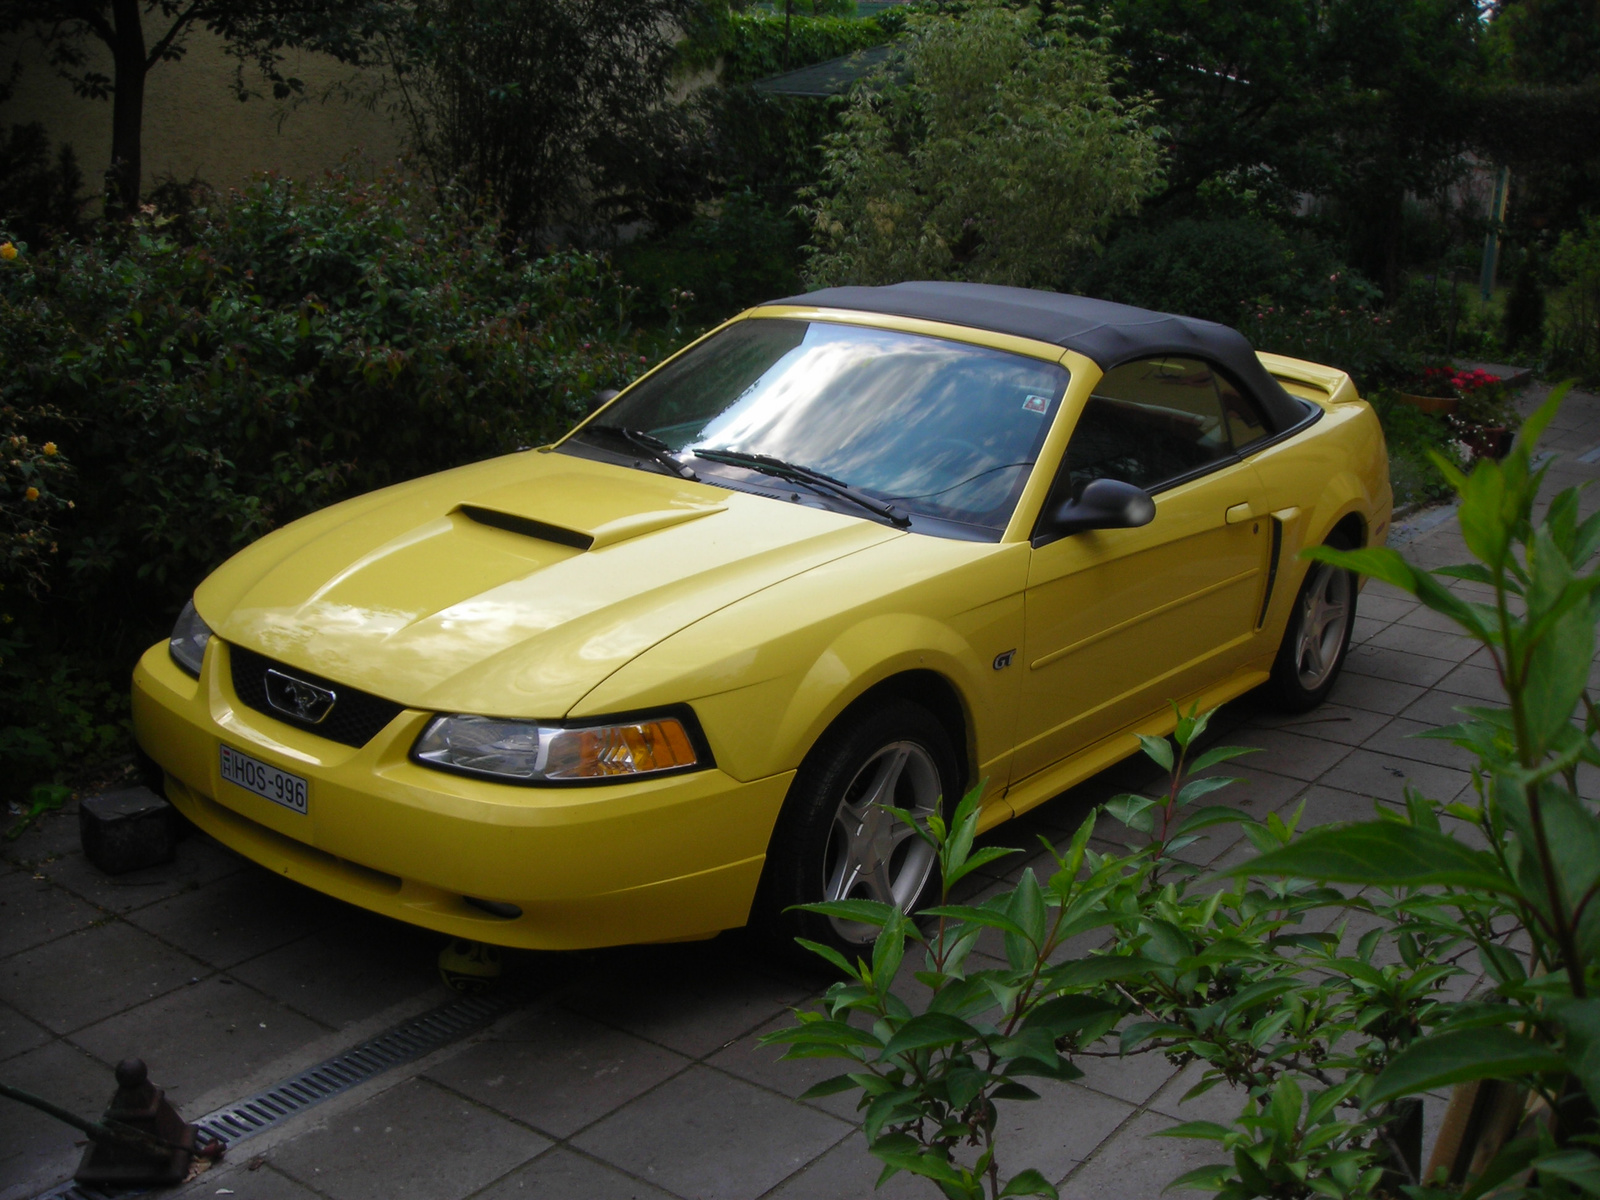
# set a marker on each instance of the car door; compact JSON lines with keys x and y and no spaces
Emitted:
{"x":1119,"y":620}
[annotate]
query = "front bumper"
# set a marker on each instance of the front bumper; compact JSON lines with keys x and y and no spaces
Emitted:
{"x":650,"y":860}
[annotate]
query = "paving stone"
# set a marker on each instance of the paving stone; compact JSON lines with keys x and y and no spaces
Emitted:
{"x":1059,"y":1130}
{"x":1422,"y":617}
{"x":1395,"y":665}
{"x":242,"y":1183}
{"x":1134,"y":1077}
{"x":1330,"y":722}
{"x":1434,"y":709}
{"x":712,"y":1137}
{"x":37,"y":1151}
{"x":1478,"y":682}
{"x":1384,"y":608}
{"x":1368,"y":692}
{"x":1402,"y":738}
{"x":1384,"y":776}
{"x":18,"y":1033}
{"x":90,"y":975}
{"x":1325,"y":805}
{"x":412,"y":1142}
{"x":366,"y":965}
{"x":197,"y":1038}
{"x":1291,"y":754}
{"x":240,"y":916}
{"x":1138,"y":1166}
{"x":1220,"y":1103}
{"x":558,"y":1071}
{"x":1433,"y":643}
{"x":1365,"y":629}
{"x":848,"y":1172}
{"x":765,"y":1065}
{"x":199,"y":861}
{"x":701,"y":998}
{"x":51,"y":836}
{"x":559,"y":1174}
{"x":33,"y":911}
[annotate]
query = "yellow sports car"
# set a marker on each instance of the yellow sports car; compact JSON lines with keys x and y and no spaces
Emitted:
{"x":853,"y":548}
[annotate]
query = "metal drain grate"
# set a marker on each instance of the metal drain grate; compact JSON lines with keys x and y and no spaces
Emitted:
{"x":276,"y":1104}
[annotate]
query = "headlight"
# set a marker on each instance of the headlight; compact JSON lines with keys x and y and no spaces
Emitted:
{"x":189,"y":637}
{"x":532,"y":752}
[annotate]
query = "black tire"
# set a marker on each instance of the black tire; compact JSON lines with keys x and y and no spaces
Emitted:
{"x":811,"y":850}
{"x":1309,"y":660}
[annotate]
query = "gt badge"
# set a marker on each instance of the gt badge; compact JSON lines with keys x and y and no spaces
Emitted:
{"x":1002,"y":661}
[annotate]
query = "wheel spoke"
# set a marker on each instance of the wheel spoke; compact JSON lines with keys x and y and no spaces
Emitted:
{"x":888,"y":777}
{"x":1311,"y":654}
{"x":879,"y":886}
{"x":849,"y":876}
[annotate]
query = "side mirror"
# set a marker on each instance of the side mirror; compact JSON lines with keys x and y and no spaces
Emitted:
{"x":1105,"y":504}
{"x":602,"y":398}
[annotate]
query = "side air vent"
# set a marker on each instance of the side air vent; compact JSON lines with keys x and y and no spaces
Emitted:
{"x":526,"y":526}
{"x":1272,"y":569}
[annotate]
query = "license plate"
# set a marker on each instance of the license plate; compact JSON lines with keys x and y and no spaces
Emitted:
{"x":268,"y":782}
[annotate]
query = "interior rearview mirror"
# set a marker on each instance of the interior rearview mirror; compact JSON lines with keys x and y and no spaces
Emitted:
{"x":1105,"y":504}
{"x":601,"y":398}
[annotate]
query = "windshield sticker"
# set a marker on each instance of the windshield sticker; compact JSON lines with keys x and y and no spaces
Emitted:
{"x":1036,"y":404}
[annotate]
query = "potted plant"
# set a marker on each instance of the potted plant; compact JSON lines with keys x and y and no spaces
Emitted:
{"x":1433,"y":391}
{"x":1484,"y":418}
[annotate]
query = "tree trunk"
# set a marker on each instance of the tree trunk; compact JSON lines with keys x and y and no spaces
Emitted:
{"x":127,"y":108}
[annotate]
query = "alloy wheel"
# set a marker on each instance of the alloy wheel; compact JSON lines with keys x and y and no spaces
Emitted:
{"x":871,"y":853}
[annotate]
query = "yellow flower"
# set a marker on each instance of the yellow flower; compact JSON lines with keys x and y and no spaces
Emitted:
{"x":50,"y":449}
{"x":7,"y":251}
{"x":31,"y":494}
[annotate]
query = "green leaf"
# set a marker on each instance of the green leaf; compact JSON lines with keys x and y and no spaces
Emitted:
{"x":1159,"y":750}
{"x":1203,"y":1179}
{"x":1133,"y":811}
{"x":1459,"y":1055}
{"x":829,"y":1087}
{"x":927,"y":1031}
{"x":1580,"y":1168}
{"x":1209,"y":1130}
{"x":1212,"y":814}
{"x":1220,"y":754}
{"x":868,"y":912}
{"x":1385,"y":853}
{"x":1029,"y":1183}
{"x":1205,"y":785}
{"x":976,"y":859}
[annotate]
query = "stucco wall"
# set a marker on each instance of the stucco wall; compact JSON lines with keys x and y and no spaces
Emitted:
{"x":193,"y":125}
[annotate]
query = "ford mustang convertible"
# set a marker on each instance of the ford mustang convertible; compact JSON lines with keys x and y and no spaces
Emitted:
{"x":857,"y":548}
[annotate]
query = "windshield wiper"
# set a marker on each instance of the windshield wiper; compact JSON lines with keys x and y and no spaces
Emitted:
{"x":652,"y":446}
{"x":768,"y":465}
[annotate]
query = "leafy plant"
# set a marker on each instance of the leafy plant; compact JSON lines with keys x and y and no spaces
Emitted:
{"x":991,"y":147}
{"x":1329,"y":1034}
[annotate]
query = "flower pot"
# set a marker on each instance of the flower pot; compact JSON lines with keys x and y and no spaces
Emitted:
{"x":1430,"y":404}
{"x":1488,"y":441}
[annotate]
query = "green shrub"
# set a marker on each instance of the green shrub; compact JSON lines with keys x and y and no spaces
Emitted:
{"x":739,"y":253}
{"x":282,"y":347}
{"x":1219,"y":270}
{"x":1523,"y":330}
{"x":1575,"y":324}
{"x":746,"y":46}
{"x":993,"y":147}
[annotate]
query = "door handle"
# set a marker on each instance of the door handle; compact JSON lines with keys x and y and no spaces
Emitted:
{"x":1238,"y":513}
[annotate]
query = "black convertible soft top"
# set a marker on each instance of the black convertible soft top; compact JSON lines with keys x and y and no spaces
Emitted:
{"x":1107,"y":333}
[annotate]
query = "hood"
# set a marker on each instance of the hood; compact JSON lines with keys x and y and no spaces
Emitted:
{"x":511,"y":587}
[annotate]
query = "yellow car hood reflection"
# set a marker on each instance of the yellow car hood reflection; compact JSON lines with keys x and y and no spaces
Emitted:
{"x":511,"y":587}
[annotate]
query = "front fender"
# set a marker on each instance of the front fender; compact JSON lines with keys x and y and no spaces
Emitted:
{"x":768,"y":675}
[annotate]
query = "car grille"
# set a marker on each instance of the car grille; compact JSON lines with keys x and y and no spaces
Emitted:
{"x":355,"y":718}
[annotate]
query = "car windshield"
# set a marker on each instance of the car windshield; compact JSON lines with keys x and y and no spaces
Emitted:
{"x":935,"y":428}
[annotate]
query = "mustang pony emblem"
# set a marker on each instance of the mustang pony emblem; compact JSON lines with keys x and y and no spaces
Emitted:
{"x":297,"y":698}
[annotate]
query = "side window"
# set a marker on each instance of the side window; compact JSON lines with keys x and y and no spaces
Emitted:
{"x":1149,"y":421}
{"x":1244,"y":421}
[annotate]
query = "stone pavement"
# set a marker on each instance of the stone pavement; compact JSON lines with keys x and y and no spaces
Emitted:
{"x":632,"y":1072}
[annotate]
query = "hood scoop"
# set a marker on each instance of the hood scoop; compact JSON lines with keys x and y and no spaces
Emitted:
{"x":527,"y":526}
{"x":589,"y":513}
